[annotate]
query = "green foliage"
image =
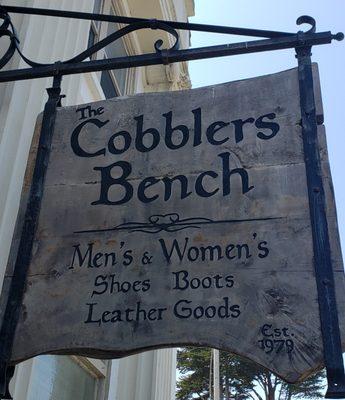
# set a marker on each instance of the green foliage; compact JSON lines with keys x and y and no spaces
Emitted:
{"x":240,"y":379}
{"x":194,"y":365}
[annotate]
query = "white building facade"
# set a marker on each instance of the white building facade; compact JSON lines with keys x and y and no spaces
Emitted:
{"x":150,"y":375}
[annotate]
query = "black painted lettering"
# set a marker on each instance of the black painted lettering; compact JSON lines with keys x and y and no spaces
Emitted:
{"x":261,"y":124}
{"x":264,"y":250}
{"x":169,"y":130}
{"x":285,"y":332}
{"x":197,"y":127}
{"x":198,"y":312}
{"x":160,"y":312}
{"x":229,"y":281}
{"x":228,"y":250}
{"x":75,"y":144}
{"x":107,"y":181}
{"x":104,"y":315}
{"x":239,"y":124}
{"x":128,"y":312}
{"x":97,"y":257}
{"x":227,"y":173}
{"x":210,"y":311}
{"x":125,"y":287}
{"x":195,"y":283}
{"x":141,"y":313}
{"x":88,"y":112}
{"x":277,"y":332}
{"x":100,"y":281}
{"x":145,"y":184}
{"x":240,"y":248}
{"x":183,"y":185}
{"x":175,"y":248}
{"x":151,"y":315}
{"x":182,"y":312}
{"x":141,"y":134}
{"x":224,"y":310}
{"x":193,"y":253}
{"x":127,"y":258}
{"x":266,"y":330}
{"x":211,"y":253}
{"x":213,"y":129}
{"x":82,"y":258}
{"x":126,"y":139}
{"x":109,"y":258}
{"x":199,"y":187}
{"x":235,"y":311}
{"x":181,"y":282}
{"x":206,"y":282}
{"x":146,"y":285}
{"x":217,"y":278}
{"x":90,"y":319}
{"x":114,"y":284}
{"x":117,"y":316}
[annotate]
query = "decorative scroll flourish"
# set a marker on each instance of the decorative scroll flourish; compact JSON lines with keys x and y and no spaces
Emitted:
{"x":306,"y":19}
{"x":169,"y":223}
{"x":7,"y":29}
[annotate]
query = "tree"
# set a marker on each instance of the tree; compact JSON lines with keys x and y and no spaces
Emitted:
{"x":240,"y":379}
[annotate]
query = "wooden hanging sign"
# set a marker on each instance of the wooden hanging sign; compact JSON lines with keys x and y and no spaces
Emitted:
{"x":179,"y":218}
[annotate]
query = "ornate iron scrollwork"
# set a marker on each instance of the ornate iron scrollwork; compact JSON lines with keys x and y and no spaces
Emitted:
{"x":7,"y":29}
{"x":273,"y":40}
{"x":153,"y":24}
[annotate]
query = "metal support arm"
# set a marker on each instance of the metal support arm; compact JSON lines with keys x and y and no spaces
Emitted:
{"x":170,"y":56}
{"x":275,"y":41}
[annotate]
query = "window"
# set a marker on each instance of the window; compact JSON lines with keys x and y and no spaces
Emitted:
{"x":114,"y":82}
{"x":107,"y":85}
{"x":114,"y":50}
{"x":62,"y":378}
{"x":94,"y":33}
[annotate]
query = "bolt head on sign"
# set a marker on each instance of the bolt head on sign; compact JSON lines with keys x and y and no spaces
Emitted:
{"x":179,"y":218}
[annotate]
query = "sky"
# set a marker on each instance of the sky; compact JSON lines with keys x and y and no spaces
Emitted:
{"x":281,"y":16}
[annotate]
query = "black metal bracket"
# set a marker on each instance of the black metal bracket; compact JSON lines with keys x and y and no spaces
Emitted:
{"x":322,"y":252}
{"x":17,"y":288}
{"x":6,"y":374}
{"x":273,"y":40}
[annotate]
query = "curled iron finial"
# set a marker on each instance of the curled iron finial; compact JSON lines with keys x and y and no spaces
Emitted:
{"x":339,"y":36}
{"x":306,"y":19}
{"x":7,"y":29}
{"x":158,"y":44}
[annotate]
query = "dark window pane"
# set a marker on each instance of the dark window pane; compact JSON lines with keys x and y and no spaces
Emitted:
{"x":92,"y":38}
{"x":108,"y":85}
{"x":114,"y":50}
{"x":97,"y":6}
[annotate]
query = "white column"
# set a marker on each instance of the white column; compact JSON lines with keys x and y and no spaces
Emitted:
{"x":164,"y":375}
{"x":44,"y":40}
{"x":216,"y":385}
